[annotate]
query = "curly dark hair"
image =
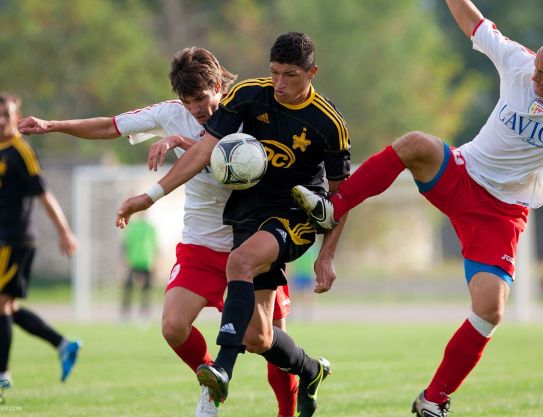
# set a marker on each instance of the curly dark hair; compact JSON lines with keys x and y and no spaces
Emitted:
{"x":294,"y":48}
{"x":194,"y":70}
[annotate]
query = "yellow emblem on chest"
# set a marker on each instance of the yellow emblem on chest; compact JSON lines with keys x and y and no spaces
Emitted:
{"x":301,"y":142}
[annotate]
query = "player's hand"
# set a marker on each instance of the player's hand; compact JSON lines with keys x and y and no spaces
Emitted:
{"x":68,"y":242}
{"x":130,"y":206}
{"x":325,"y":274}
{"x":32,"y":125}
{"x":159,"y":149}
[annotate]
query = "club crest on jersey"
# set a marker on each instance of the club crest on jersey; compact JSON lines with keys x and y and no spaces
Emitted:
{"x":264,"y":118}
{"x":536,"y":107}
{"x":301,"y":142}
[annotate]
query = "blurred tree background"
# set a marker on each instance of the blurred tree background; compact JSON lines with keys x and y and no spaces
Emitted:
{"x":389,"y":66}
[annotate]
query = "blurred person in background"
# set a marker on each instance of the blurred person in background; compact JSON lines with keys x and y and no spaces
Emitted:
{"x":198,"y":278}
{"x":140,"y":251}
{"x":485,"y":187}
{"x":20,"y":182}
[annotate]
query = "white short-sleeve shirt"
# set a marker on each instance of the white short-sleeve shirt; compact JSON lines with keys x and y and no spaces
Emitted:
{"x":204,"y":196}
{"x":506,"y":156}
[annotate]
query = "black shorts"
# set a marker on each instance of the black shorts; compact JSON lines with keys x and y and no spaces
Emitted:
{"x":15,"y":265}
{"x":293,"y":233}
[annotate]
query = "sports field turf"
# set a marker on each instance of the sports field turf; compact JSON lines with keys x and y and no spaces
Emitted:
{"x":377,"y":371}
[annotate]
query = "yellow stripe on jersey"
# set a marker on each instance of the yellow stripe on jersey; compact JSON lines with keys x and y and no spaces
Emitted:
{"x":333,"y":114}
{"x":28,"y":156}
{"x":262,"y":82}
{"x":297,"y":232}
{"x":5,"y":274}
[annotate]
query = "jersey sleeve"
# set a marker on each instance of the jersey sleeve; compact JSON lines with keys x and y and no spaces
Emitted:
{"x":230,"y":115}
{"x":505,"y":54}
{"x":337,"y":165}
{"x":337,"y":158}
{"x":29,"y":168}
{"x":147,"y":119}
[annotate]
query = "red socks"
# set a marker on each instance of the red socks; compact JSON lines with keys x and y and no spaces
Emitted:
{"x":285,"y":387}
{"x":373,"y":177}
{"x":461,"y":355}
{"x":194,"y":350}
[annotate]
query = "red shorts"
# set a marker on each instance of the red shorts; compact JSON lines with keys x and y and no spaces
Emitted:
{"x":203,"y":271}
{"x":488,"y":228}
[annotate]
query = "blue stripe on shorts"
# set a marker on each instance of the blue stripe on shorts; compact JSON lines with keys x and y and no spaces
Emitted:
{"x":427,"y":186}
{"x":472,"y":267}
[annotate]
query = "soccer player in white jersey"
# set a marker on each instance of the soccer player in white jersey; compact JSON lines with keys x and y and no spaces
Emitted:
{"x":198,"y":278}
{"x":485,"y":187}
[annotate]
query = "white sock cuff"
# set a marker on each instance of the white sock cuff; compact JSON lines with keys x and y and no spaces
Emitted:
{"x":485,"y":328}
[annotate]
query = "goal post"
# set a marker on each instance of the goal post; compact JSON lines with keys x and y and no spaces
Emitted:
{"x":97,"y":193}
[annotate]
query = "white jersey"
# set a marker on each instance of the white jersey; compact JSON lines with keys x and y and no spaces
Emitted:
{"x":506,"y":157}
{"x":204,"y":196}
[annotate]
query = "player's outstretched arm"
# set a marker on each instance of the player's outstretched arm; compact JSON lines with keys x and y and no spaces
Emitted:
{"x":159,"y":149}
{"x":67,"y":240}
{"x":466,"y":14}
{"x":324,"y":265}
{"x":186,"y":167}
{"x":93,"y":128}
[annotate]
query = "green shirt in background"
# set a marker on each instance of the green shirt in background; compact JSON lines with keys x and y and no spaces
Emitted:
{"x":140,"y":244}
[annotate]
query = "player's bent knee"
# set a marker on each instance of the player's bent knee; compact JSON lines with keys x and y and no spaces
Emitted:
{"x":238,"y":265}
{"x":175,"y":332}
{"x":257,"y":344}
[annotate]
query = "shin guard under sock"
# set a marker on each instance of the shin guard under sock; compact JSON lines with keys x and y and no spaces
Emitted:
{"x":371,"y":178}
{"x":6,"y":332}
{"x":34,"y":325}
{"x":237,"y":313}
{"x":461,"y":355}
{"x":193,"y":351}
{"x":286,"y":355}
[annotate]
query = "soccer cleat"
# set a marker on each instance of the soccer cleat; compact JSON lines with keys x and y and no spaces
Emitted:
{"x":5,"y":382}
{"x":424,"y":408}
{"x":215,"y":379}
{"x":68,"y":357}
{"x":306,"y":403}
{"x":318,"y":207}
{"x":206,"y":407}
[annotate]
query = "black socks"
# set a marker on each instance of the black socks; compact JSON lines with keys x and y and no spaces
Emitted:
{"x":237,"y":313}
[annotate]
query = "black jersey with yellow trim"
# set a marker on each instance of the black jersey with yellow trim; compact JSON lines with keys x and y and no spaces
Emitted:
{"x":304,"y":143}
{"x":20,"y":181}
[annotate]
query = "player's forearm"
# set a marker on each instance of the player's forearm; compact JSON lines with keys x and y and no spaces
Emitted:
{"x":466,"y":14}
{"x":191,"y":162}
{"x":54,"y":212}
{"x":95,"y":128}
{"x":331,"y":239}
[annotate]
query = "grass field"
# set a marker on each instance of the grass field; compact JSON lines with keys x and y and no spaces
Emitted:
{"x":377,"y":371}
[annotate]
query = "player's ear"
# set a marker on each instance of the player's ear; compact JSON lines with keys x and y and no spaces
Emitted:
{"x":313,"y":71}
{"x":218,"y":87}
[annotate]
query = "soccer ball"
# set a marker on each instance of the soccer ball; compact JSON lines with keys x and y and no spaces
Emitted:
{"x":239,"y":161}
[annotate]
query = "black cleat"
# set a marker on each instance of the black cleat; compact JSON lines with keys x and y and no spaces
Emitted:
{"x":215,"y":379}
{"x":306,"y":403}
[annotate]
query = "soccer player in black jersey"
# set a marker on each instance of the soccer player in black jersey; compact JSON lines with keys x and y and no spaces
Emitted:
{"x":20,"y":182}
{"x":306,"y":138}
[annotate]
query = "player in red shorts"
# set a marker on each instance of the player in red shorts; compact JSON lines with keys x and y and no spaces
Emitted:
{"x":485,"y":187}
{"x":198,"y":278}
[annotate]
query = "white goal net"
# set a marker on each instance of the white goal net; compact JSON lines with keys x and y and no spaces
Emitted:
{"x":98,"y":267}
